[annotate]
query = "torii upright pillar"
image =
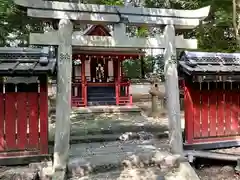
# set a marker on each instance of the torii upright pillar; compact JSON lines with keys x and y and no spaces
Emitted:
{"x":172,"y":91}
{"x":63,"y":106}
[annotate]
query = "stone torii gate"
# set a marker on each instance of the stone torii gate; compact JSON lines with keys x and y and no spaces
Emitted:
{"x":65,"y":38}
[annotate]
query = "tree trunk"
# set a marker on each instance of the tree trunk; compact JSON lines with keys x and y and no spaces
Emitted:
{"x":142,"y":67}
{"x":236,"y":18}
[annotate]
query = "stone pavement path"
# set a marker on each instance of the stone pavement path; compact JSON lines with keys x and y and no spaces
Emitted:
{"x":114,"y":123}
{"x":128,"y":160}
{"x":110,"y":155}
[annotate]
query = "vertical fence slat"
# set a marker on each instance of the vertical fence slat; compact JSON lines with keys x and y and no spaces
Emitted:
{"x":188,"y":112}
{"x":238,"y":107}
{"x":220,"y":111}
{"x":213,"y":110}
{"x":196,"y":107}
{"x":33,"y":117}
{"x":2,"y":119}
{"x":204,"y":109}
{"x":228,"y":104}
{"x":10,"y":120}
{"x":22,"y":120}
{"x":43,"y":108}
{"x":235,"y":109}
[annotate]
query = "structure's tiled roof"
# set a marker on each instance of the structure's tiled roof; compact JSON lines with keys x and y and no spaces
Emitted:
{"x":26,"y":61}
{"x":209,"y":63}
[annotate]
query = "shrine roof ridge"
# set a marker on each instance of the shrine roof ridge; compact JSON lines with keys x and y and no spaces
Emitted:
{"x":26,"y":61}
{"x":44,"y":52}
{"x":204,"y":63}
{"x":194,"y":54}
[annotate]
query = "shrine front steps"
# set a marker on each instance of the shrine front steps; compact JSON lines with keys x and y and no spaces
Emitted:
{"x":110,"y":123}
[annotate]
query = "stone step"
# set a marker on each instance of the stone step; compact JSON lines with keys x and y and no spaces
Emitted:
{"x":103,"y":157}
{"x":100,"y":89}
{"x":183,"y":172}
{"x":75,"y":139}
{"x":101,"y":94}
{"x":96,"y":160}
{"x":97,"y":124}
{"x":101,"y":98}
{"x":102,"y":102}
{"x":149,"y":173}
{"x":86,"y":130}
{"x":128,"y":109}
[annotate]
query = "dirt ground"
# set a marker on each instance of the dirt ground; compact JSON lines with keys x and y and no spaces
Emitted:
{"x":217,"y":173}
{"x":208,"y":169}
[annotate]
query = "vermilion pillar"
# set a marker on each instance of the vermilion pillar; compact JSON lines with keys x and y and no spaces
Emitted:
{"x":121,"y":67}
{"x":84,"y":88}
{"x":117,"y":81}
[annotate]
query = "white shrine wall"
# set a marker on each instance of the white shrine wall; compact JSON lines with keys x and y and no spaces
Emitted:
{"x":110,"y":69}
{"x":77,"y":71}
{"x":87,"y":70}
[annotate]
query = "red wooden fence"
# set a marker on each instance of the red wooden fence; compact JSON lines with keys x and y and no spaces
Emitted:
{"x":212,"y":112}
{"x":23,"y":119}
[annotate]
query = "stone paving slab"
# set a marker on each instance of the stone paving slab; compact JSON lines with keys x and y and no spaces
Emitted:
{"x":102,"y":109}
{"x":183,"y":172}
{"x":151,"y":173}
{"x":117,"y":147}
{"x":108,"y":156}
{"x":113,"y":123}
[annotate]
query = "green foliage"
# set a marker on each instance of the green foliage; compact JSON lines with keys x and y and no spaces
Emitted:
{"x":14,"y":24}
{"x":215,"y":34}
{"x":112,"y":2}
{"x":132,"y":68}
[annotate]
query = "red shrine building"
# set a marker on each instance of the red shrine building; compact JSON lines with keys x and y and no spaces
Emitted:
{"x":98,"y":76}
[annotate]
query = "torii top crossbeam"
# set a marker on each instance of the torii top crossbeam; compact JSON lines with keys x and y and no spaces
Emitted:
{"x":92,"y":13}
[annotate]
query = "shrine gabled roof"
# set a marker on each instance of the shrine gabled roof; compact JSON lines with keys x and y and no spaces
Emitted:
{"x":26,"y":61}
{"x":202,"y":63}
{"x":99,"y":30}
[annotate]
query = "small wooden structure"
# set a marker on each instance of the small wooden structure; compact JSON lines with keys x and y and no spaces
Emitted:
{"x":211,"y":99}
{"x":24,"y":103}
{"x":97,"y":73}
